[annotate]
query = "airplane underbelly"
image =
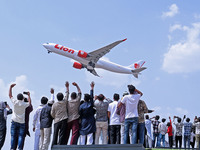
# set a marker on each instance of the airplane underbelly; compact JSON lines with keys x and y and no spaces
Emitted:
{"x":112,"y":67}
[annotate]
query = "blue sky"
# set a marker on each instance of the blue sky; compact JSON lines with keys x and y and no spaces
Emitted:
{"x":163,"y":33}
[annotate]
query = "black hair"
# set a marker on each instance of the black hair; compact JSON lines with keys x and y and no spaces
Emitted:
{"x":163,"y":120}
{"x":179,"y":120}
{"x":157,"y":117}
{"x":168,"y":124}
{"x":44,"y":100}
{"x":73,"y":95}
{"x":86,"y":97}
{"x":188,"y":120}
{"x":131,"y":89}
{"x":116,"y":97}
{"x":20,"y":96}
{"x":101,"y":97}
{"x":60,"y":96}
{"x":147,"y":116}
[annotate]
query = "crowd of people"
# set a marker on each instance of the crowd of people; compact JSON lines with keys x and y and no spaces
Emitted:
{"x":93,"y":120}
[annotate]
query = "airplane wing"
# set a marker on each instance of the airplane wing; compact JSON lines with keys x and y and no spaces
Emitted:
{"x":93,"y":71}
{"x":94,"y":56}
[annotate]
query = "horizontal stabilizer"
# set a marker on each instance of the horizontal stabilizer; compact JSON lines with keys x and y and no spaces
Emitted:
{"x":137,"y":71}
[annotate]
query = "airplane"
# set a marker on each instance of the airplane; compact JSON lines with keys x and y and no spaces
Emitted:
{"x":93,"y":60}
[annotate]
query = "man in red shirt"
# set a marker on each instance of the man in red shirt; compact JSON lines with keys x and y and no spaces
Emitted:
{"x":169,"y":131}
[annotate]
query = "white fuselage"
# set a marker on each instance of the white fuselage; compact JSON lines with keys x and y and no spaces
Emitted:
{"x":71,"y":53}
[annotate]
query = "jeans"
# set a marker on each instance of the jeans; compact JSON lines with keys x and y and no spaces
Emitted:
{"x":156,"y":136}
{"x":115,"y":134}
{"x":162,"y":139}
{"x":17,"y":128}
{"x":128,"y":123}
{"x":141,"y":129}
{"x":187,"y":140}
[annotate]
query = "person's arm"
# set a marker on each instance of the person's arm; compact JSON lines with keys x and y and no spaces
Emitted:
{"x":35,"y":120}
{"x":10,"y":90}
{"x":170,"y":122}
{"x":92,"y":93}
{"x":78,"y":89}
{"x":76,"y":85}
{"x":67,"y":91}
{"x":9,"y":110}
{"x":52,"y":94}
{"x":53,"y":111}
{"x":139,"y":92}
{"x":108,"y":114}
{"x":29,"y":98}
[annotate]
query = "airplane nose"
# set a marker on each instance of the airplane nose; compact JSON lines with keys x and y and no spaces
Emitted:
{"x":46,"y":45}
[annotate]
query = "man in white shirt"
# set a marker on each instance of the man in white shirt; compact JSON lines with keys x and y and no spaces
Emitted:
{"x":131,"y":117}
{"x":36,"y":122}
{"x":114,"y":121}
{"x":18,"y":118}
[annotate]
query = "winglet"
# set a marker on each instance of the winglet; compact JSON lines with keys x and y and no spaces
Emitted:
{"x":124,"y":39}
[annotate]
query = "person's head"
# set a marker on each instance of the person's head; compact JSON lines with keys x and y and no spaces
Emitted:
{"x":116,"y":97}
{"x":101,"y":97}
{"x":179,"y":120}
{"x":60,"y":96}
{"x":20,"y":96}
{"x":50,"y":103}
{"x":131,"y":89}
{"x":44,"y":100}
{"x":187,"y":119}
{"x":86,"y":97}
{"x":163,"y":120}
{"x":73,"y":95}
{"x":168,"y":124}
{"x":157,"y":117}
{"x":147,"y":116}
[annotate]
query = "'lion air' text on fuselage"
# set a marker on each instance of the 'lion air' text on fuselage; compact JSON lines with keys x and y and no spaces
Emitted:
{"x":65,"y":49}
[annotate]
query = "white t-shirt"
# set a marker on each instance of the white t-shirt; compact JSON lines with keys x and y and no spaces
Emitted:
{"x":19,"y":110}
{"x":131,"y":102}
{"x":114,"y":117}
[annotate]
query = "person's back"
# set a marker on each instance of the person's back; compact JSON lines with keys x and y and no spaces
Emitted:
{"x":197,"y":131}
{"x":114,"y":121}
{"x":101,"y":106}
{"x":187,"y":132}
{"x":46,"y":125}
{"x":18,"y":117}
{"x":60,"y":115}
{"x":3,"y":118}
{"x":101,"y":110}
{"x":131,"y":116}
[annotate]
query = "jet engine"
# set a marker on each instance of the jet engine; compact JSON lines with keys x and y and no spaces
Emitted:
{"x":82,"y":54}
{"x":77,"y":65}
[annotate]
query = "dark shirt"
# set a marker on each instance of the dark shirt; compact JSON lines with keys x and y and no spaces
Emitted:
{"x":87,"y":116}
{"x":28,"y":110}
{"x":45,"y":117}
{"x":2,"y":119}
